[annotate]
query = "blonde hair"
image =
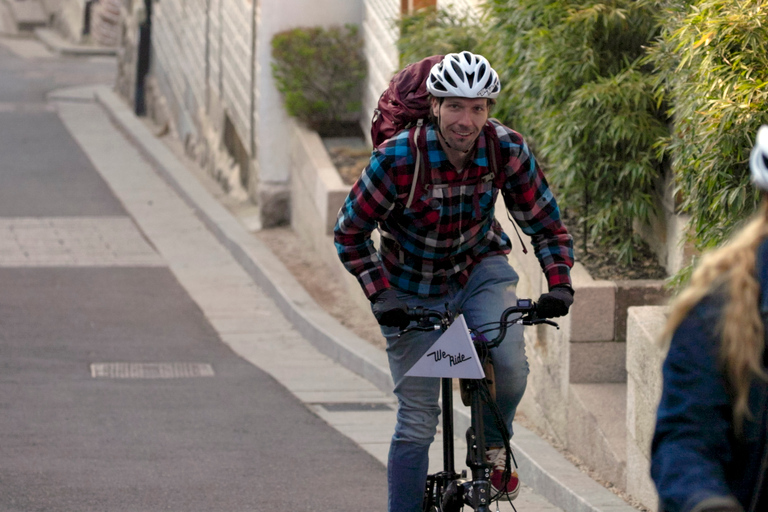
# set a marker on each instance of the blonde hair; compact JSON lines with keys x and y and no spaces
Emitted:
{"x":732,"y":267}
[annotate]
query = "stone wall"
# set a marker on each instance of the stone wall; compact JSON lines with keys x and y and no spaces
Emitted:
{"x":644,"y":360}
{"x":70,"y":19}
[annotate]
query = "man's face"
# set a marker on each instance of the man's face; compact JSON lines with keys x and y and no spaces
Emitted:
{"x":461,"y":120}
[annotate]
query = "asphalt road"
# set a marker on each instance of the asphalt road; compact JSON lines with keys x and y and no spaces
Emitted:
{"x":81,"y":286}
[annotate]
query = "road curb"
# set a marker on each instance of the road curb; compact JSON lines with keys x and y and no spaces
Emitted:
{"x":546,"y":470}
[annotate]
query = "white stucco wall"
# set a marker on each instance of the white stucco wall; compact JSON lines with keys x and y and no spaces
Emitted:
{"x":380,"y":35}
{"x":271,"y":122}
{"x":70,"y":18}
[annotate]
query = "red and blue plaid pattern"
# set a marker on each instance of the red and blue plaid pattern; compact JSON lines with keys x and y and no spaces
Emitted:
{"x":450,"y":225}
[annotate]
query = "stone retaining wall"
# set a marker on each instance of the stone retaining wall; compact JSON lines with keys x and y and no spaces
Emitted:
{"x":644,"y":359}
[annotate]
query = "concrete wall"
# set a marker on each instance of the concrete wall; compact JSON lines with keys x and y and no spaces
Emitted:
{"x":644,"y":360}
{"x":380,"y":34}
{"x":317,"y":193}
{"x":70,"y":19}
{"x":666,"y":232}
{"x":271,"y":124}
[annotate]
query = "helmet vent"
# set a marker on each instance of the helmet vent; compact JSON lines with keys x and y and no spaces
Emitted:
{"x":450,"y":80}
{"x":457,"y":68}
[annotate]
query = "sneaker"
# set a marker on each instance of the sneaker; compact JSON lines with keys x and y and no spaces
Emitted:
{"x":497,"y":456}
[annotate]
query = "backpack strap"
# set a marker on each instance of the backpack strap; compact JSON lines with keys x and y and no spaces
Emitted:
{"x":416,"y":131}
{"x":494,"y":155}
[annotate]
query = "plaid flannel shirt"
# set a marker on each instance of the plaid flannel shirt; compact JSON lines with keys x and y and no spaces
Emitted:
{"x":450,"y":225}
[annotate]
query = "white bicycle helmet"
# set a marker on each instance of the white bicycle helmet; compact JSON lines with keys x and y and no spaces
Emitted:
{"x":463,"y":75}
{"x":758,"y":160}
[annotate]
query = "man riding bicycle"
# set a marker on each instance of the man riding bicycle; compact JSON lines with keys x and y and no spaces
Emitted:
{"x":443,"y":245}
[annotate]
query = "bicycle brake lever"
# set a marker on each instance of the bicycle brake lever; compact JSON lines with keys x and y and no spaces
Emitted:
{"x":537,"y":321}
{"x":417,"y":327}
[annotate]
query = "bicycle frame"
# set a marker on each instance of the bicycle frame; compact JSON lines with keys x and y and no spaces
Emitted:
{"x":448,"y":491}
{"x":476,"y":492}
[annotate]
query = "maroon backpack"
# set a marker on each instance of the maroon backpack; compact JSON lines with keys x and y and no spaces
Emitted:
{"x":404,"y":102}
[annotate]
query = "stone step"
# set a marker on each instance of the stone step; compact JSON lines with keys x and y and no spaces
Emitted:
{"x":598,"y":428}
{"x":27,"y":14}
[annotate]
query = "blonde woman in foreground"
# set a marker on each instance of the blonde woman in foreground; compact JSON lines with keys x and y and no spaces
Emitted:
{"x":709,"y":450}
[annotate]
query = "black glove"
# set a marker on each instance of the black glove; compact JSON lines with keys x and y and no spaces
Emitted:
{"x":555,"y":303}
{"x":389,"y":310}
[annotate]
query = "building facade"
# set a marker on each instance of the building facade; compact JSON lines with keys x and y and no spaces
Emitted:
{"x":210,"y":79}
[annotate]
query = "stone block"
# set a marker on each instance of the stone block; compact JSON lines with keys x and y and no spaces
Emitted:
{"x":644,"y":359}
{"x":644,"y":352}
{"x":318,"y":189}
{"x":28,"y":14}
{"x":638,"y":292}
{"x":639,"y":483}
{"x":601,"y":361}
{"x":593,"y":311}
{"x":641,"y":415}
{"x":595,"y":416}
{"x":274,"y":200}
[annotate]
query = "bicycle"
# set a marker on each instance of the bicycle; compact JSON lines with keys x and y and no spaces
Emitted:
{"x":448,"y":491}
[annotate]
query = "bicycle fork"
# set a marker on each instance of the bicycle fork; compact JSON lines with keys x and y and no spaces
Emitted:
{"x":442,"y":492}
{"x":445,"y":491}
{"x":477,"y":492}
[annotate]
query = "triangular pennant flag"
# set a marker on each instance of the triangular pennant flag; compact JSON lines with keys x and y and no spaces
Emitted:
{"x":452,"y":355}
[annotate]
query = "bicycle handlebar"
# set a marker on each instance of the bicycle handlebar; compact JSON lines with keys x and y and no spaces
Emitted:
{"x":432,"y":320}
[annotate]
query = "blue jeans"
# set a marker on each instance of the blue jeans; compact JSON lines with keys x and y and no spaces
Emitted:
{"x":489,"y":291}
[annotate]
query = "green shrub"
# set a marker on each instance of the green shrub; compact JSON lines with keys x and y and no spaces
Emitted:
{"x":320,"y":73}
{"x":574,"y":85}
{"x":713,"y":70}
{"x":436,"y":32}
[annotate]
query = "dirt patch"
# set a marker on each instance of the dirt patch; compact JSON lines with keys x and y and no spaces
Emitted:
{"x":604,"y":265}
{"x":314,"y":276}
{"x":350,"y":162}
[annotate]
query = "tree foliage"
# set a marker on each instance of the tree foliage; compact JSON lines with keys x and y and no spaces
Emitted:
{"x":433,"y":31}
{"x":613,"y":94}
{"x":574,"y":84}
{"x":320,"y":73}
{"x":713,"y":71}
